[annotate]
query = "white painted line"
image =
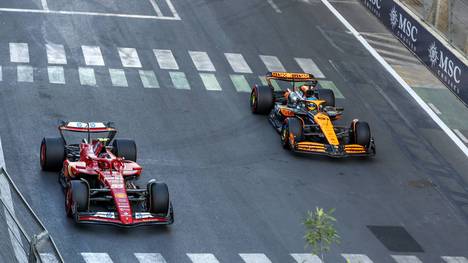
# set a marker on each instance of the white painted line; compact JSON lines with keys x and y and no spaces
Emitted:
{"x":357,"y":258}
{"x":56,"y":75}
{"x":274,"y":6}
{"x":202,"y":61}
{"x":434,"y":108}
{"x":56,"y":54}
{"x":165,"y":59}
{"x":156,"y":8}
{"x":202,"y":258}
{"x":309,"y":66}
{"x":92,"y":55}
{"x":87,"y":77}
{"x":406,"y":259}
{"x":405,"y":85}
{"x":255,"y":258}
{"x":96,"y":257}
{"x":48,"y":258}
{"x":272,"y":63}
{"x":393,"y":46}
{"x":44,"y":5}
{"x":150,"y":258}
{"x":148,"y":78}
{"x":19,"y":52}
{"x":306,"y":258}
{"x":179,"y":80}
{"x":173,"y":10}
{"x":238,"y":63}
{"x":462,"y":137}
{"x":61,"y":12}
{"x":396,"y":55}
{"x":455,"y":259}
{"x":25,"y":73}
{"x":129,"y":57}
{"x":240,"y":83}
{"x":1,"y":74}
{"x":13,"y":230}
{"x":210,"y":81}
{"x":118,"y":78}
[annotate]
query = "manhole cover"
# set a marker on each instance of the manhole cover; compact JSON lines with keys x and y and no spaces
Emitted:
{"x":420,"y":183}
{"x":396,"y":239}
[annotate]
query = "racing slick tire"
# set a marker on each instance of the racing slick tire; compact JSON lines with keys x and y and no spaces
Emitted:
{"x":77,"y":195}
{"x":291,"y":126}
{"x":328,"y":96}
{"x":52,"y":154}
{"x":362,"y":134}
{"x":158,"y":199}
{"x":125,"y":148}
{"x":261,"y":99}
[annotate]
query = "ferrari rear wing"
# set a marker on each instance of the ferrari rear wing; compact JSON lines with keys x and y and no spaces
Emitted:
{"x":78,"y":126}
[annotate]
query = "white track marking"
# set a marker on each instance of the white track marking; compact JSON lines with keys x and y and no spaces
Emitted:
{"x":96,"y":258}
{"x":129,"y":57}
{"x":48,"y":258}
{"x":238,"y":63}
{"x":306,"y":258}
{"x":19,"y":52}
{"x":118,"y":78}
{"x":274,"y":6}
{"x":179,"y":80}
{"x":396,"y":55}
{"x":56,"y":75}
{"x":455,"y":259}
{"x":272,"y":63}
{"x":240,"y":83}
{"x":434,"y":108}
{"x":462,"y":137}
{"x":309,"y":66}
{"x":56,"y":54}
{"x":255,"y":258}
{"x":150,"y":258}
{"x":156,"y":8}
{"x":165,"y":59}
{"x":405,"y":85}
{"x":210,"y":81}
{"x":406,"y":259}
{"x":393,"y":46}
{"x":25,"y":73}
{"x":173,"y":10}
{"x":92,"y":55}
{"x":357,"y":258}
{"x":202,"y":61}
{"x":60,"y":12}
{"x":1,"y":74}
{"x":13,"y":230}
{"x":148,"y":78}
{"x":202,"y":258}
{"x":44,"y":5}
{"x":87,"y":76}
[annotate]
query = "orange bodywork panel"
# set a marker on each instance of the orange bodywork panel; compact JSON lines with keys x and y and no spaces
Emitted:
{"x":327,"y":128}
{"x":286,"y":112}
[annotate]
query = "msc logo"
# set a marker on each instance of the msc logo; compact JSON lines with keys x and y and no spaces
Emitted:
{"x":447,"y":65}
{"x":404,"y":24}
{"x":375,"y":3}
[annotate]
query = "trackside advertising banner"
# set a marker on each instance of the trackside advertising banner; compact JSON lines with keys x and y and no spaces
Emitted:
{"x":443,"y":63}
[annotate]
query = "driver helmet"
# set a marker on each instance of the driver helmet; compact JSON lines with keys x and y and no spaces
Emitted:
{"x":307,"y":91}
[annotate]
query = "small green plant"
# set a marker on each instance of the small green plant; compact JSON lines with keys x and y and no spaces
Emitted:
{"x":320,"y":231}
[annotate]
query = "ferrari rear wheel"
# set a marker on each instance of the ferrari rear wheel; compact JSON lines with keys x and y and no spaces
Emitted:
{"x":77,"y":196}
{"x":158,"y":198}
{"x":52,"y":154}
{"x":125,"y":148}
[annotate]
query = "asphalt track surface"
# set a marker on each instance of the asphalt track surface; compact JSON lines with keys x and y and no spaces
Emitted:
{"x":234,"y":189}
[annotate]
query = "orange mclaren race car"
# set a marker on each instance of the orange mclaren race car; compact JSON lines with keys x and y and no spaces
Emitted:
{"x":98,"y":174}
{"x":303,"y":114}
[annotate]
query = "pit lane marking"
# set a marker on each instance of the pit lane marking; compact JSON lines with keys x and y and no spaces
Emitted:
{"x":118,"y":78}
{"x":462,"y":137}
{"x":166,"y":59}
{"x":357,"y":258}
{"x":308,"y":65}
{"x":96,"y":258}
{"x":306,"y":258}
{"x":240,"y":83}
{"x":406,"y":259}
{"x":92,"y":55}
{"x":202,"y":61}
{"x":274,"y":6}
{"x":150,"y":258}
{"x":148,"y":79}
{"x":272,"y":63}
{"x":25,"y":73}
{"x":202,"y":258}
{"x":129,"y":57}
{"x":87,"y":77}
{"x":434,"y":108}
{"x":19,"y":52}
{"x":455,"y":259}
{"x":179,"y":80}
{"x":210,"y":81}
{"x":56,"y":54}
{"x":56,"y":75}
{"x":238,"y":63}
{"x":255,"y":258}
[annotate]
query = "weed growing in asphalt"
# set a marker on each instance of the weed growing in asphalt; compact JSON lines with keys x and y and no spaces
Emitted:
{"x":320,"y":231}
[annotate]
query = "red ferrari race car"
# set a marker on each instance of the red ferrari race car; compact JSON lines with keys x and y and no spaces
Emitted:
{"x":98,"y":174}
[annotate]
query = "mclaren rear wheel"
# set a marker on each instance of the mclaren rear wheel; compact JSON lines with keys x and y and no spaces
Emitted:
{"x":125,"y":148}
{"x":328,"y":96}
{"x":77,"y":195}
{"x":52,"y":154}
{"x":158,"y":199}
{"x":261,"y":99}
